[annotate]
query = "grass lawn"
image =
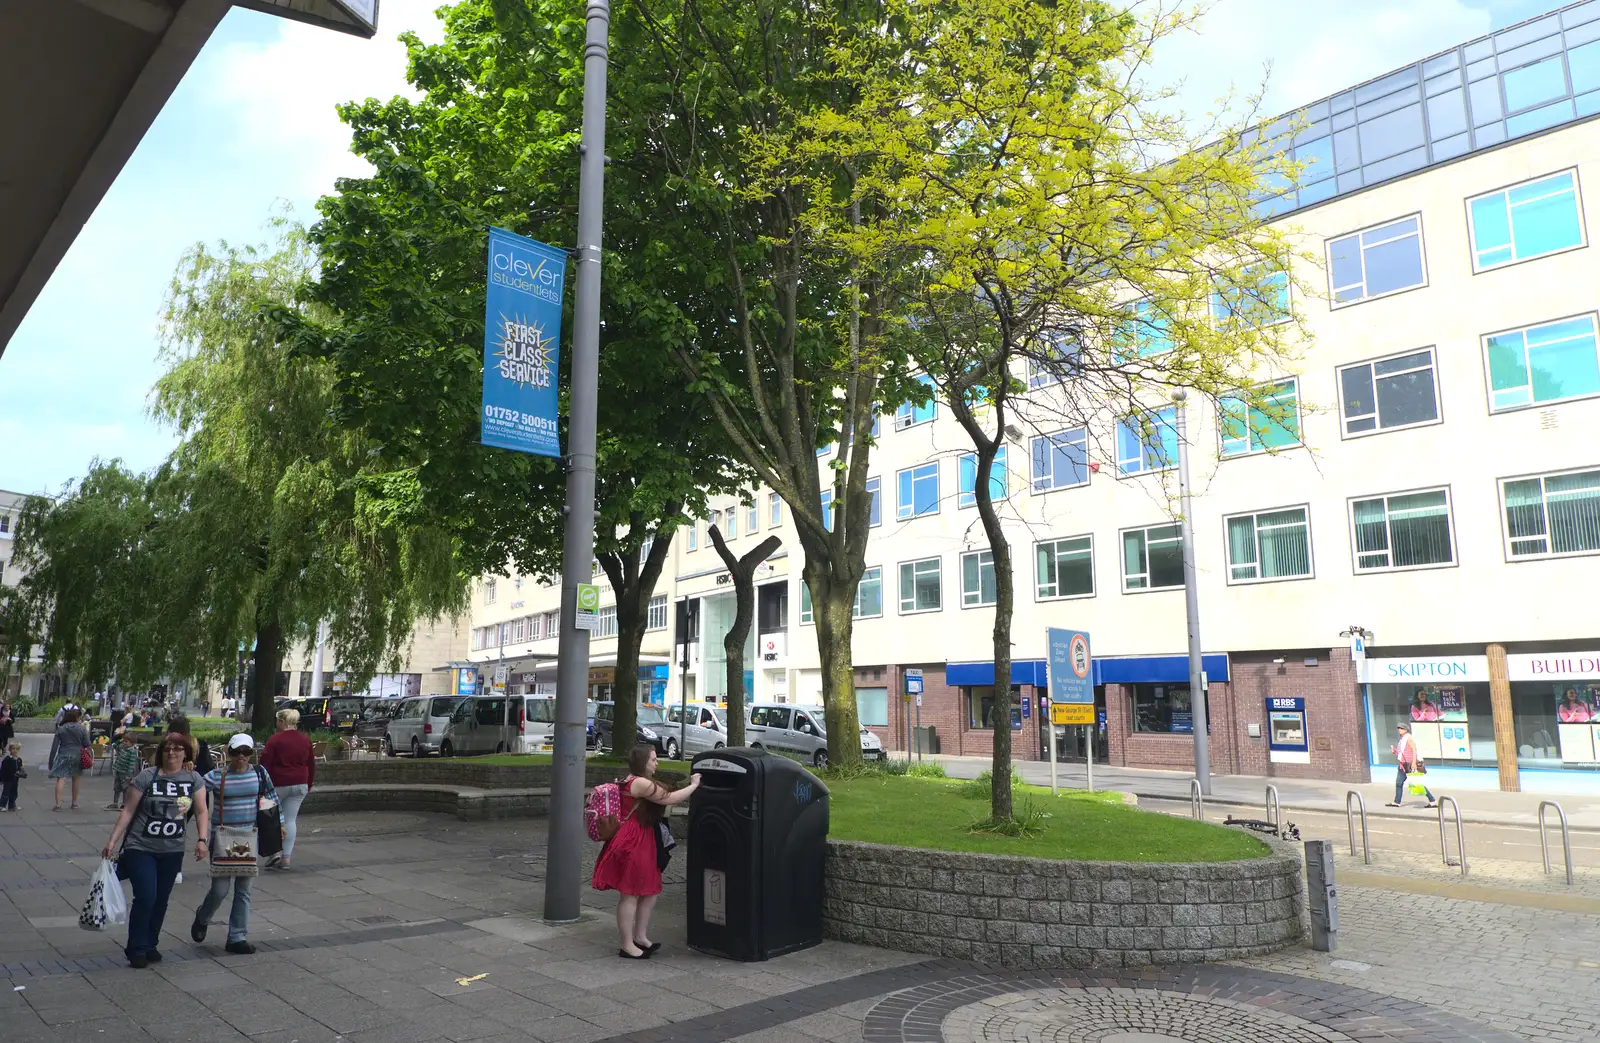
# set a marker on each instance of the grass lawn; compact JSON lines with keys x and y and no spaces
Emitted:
{"x":936,"y":813}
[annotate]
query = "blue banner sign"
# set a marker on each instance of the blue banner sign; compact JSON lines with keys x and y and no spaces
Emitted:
{"x":1069,"y":666}
{"x":522,"y":344}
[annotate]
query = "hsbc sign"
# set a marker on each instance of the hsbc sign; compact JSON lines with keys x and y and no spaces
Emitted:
{"x":772,"y":648}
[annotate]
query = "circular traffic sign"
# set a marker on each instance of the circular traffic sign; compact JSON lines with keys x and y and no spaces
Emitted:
{"x":1078,"y":655}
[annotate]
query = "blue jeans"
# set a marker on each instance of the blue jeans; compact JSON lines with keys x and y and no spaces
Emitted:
{"x":289,"y":800}
{"x":1400,"y":786}
{"x":239,"y":915}
{"x":152,"y":876}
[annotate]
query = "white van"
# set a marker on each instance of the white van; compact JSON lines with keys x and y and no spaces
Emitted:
{"x":800,"y":731}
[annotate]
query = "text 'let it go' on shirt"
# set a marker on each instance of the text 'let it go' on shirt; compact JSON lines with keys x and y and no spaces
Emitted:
{"x":159,"y":821}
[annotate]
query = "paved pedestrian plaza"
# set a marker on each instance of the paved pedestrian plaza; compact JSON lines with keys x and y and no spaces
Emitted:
{"x":400,"y":927}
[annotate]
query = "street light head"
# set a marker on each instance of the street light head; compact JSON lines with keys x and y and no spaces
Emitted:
{"x":1179,"y":395}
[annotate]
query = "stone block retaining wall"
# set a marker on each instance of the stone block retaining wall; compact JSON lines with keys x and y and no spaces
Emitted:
{"x":1024,"y":912}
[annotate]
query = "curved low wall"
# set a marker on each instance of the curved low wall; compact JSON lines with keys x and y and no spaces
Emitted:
{"x":1026,"y":912}
{"x":461,"y":788}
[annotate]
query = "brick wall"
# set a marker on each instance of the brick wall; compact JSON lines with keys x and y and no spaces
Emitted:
{"x":1335,"y":718}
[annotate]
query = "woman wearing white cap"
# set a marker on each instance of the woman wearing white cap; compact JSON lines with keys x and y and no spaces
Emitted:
{"x":236,"y":790}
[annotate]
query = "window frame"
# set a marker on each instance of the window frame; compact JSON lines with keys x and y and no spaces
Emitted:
{"x":1299,"y":420}
{"x":774,"y":510}
{"x":969,"y":498}
{"x":1122,"y":564}
{"x":978,"y":553}
{"x":806,"y":611}
{"x":1371,"y":363}
{"x":1094,"y":580}
{"x":1227,"y":550}
{"x":1156,"y":419}
{"x":905,"y":415}
{"x":1355,"y":554}
{"x":1033,"y":456}
{"x":900,"y":574}
{"x":873,"y":487}
{"x":752,"y":519}
{"x":1334,"y":304}
{"x":1216,"y":300}
{"x":1505,"y":521}
{"x":855,"y":608}
{"x":1472,"y":231}
{"x":656,"y":601}
{"x":908,"y":512}
{"x":1532,"y":403}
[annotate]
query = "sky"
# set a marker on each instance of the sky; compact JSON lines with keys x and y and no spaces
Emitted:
{"x":252,"y":128}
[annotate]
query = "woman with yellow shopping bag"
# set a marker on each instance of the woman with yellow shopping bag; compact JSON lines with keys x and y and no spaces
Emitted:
{"x":1411,"y":769}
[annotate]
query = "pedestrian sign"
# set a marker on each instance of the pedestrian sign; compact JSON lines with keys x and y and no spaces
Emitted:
{"x":1071,"y":713}
{"x":588,"y":615}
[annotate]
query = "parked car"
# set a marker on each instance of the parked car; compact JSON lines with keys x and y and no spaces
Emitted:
{"x":481,"y":724}
{"x":374,"y":720}
{"x":800,"y":731}
{"x":589,"y":734}
{"x":419,"y":723}
{"x":703,"y":726}
{"x":651,"y":729}
{"x":339,"y":712}
{"x":537,"y":716}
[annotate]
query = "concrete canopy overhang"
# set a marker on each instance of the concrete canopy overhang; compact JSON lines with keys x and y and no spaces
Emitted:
{"x":82,"y":81}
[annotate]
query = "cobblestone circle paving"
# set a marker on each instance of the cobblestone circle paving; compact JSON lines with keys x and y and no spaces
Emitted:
{"x":1207,"y":1004}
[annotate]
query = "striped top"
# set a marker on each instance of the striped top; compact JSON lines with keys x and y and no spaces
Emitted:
{"x":244,"y":788}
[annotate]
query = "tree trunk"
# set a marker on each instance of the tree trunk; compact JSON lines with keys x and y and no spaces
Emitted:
{"x":264,"y":689}
{"x":632,"y":584}
{"x":742,"y":570}
{"x":625,"y":688}
{"x":833,"y":609}
{"x":1000,"y":806}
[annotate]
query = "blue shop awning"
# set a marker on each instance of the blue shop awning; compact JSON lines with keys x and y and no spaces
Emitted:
{"x":1163,"y":669}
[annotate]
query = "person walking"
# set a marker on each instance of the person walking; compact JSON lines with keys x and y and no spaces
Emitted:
{"x":124,"y":766}
{"x":11,"y":775}
{"x":8,"y":728}
{"x":1408,"y":760}
{"x":200,"y":754}
{"x":66,"y":755}
{"x":148,"y":840}
{"x":628,"y":863}
{"x":293,"y":768}
{"x":235,"y":790}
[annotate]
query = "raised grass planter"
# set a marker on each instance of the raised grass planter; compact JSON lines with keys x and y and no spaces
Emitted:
{"x":1038,"y":913}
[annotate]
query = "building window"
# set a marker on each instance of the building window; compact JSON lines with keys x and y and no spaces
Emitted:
{"x":1402,"y":532}
{"x":1061,"y":356}
{"x":1376,"y":262}
{"x":656,"y":614}
{"x":5,"y":525}
{"x":518,"y":630}
{"x":1525,"y":221}
{"x":1148,"y":442}
{"x":977,"y":579}
{"x":920,"y":586}
{"x":874,"y":489}
{"x":774,"y":510}
{"x":694,"y":534}
{"x":552,"y":624}
{"x":872,"y":706}
{"x":1152,"y":558}
{"x":918,"y":491}
{"x":1547,"y":363}
{"x":910,"y":415}
{"x":980,"y":706}
{"x":606,"y":622}
{"x":1147,"y":332}
{"x":1269,"y":545}
{"x":1163,"y":708}
{"x":752,"y":518}
{"x":716,"y":521}
{"x":731,"y":523}
{"x":1270,"y":422}
{"x":805,"y":604}
{"x":1065,"y":568}
{"x":489,"y":591}
{"x":1552,"y":515}
{"x":966,"y":492}
{"x":827,"y":509}
{"x":869,"y":594}
{"x":1260,"y":299}
{"x":1061,"y":460}
{"x":1388,"y":394}
{"x":535,"y":627}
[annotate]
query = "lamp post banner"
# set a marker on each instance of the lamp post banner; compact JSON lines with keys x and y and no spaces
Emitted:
{"x":522,"y":344}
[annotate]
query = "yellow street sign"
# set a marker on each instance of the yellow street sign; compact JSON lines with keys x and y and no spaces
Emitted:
{"x":1071,"y":713}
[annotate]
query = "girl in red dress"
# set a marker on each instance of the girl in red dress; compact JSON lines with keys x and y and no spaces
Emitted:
{"x":627,"y":863}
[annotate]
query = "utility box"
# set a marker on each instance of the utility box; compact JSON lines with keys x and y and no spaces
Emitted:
{"x":926,"y":738}
{"x":1321,"y":896}
{"x":758,"y":829}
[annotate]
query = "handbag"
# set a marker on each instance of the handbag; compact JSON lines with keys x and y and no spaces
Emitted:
{"x":85,"y":758}
{"x":233,"y":848}
{"x":269,"y":823}
{"x":665,"y":842}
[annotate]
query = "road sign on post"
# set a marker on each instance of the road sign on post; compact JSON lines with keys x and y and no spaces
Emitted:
{"x":1071,"y":691}
{"x":588,"y":617}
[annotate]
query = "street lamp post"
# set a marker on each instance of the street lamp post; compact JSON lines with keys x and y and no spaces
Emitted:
{"x":563,"y":862}
{"x":1191,"y":600}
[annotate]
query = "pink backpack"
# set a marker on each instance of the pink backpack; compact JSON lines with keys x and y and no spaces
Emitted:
{"x":601,"y":815}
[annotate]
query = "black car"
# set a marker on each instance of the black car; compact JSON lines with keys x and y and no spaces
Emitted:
{"x":651,"y":730}
{"x":374,"y":720}
{"x":338,"y":713}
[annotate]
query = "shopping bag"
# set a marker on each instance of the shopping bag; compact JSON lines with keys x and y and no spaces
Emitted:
{"x":1415,"y":785}
{"x":105,"y":903}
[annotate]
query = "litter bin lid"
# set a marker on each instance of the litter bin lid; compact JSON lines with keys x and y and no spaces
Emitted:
{"x":735,"y":760}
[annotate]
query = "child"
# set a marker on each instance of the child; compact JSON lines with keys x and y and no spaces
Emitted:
{"x":10,"y":773}
{"x":124,"y":765}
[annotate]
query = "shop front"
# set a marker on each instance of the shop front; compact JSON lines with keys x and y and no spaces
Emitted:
{"x":1547,"y":710}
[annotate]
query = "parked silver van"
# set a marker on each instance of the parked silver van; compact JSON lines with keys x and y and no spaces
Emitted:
{"x":800,"y":731}
{"x":420,"y":724}
{"x":704,"y":727}
{"x":484,"y":724}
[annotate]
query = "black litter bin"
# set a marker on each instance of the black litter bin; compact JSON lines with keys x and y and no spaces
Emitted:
{"x":758,"y":835}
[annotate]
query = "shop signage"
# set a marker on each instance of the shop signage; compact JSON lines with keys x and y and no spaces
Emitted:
{"x":603,"y":675}
{"x":1424,"y":669}
{"x":467,"y":681}
{"x":1554,"y":666}
{"x":521,"y":344}
{"x":913,"y":676}
{"x":1286,"y":730}
{"x":773,"y":646}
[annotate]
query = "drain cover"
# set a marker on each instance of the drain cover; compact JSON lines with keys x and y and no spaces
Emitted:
{"x":373,"y":921}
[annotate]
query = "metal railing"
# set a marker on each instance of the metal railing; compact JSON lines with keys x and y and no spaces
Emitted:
{"x":1349,"y":820}
{"x":1566,"y":841}
{"x":1274,"y":811}
{"x":1461,"y":836}
{"x":1197,"y":800}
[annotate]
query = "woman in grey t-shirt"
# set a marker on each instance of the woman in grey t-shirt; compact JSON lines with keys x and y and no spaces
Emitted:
{"x":151,"y":834}
{"x":66,"y":752}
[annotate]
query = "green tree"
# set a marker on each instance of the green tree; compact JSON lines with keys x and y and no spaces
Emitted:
{"x":493,"y":141}
{"x":742,"y":569}
{"x":1081,"y":252}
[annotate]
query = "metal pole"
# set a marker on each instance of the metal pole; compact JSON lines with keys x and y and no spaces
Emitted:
{"x":1191,"y":599}
{"x":1088,"y":749}
{"x":563,"y":862}
{"x":316,"y":659}
{"x":919,"y":728}
{"x":1054,"y":787}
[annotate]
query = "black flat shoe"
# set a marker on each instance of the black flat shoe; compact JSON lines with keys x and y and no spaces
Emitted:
{"x":153,"y":956}
{"x":197,"y":930}
{"x":651,"y":949}
{"x":626,"y":955}
{"x":240,"y":948}
{"x":138,"y":961}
